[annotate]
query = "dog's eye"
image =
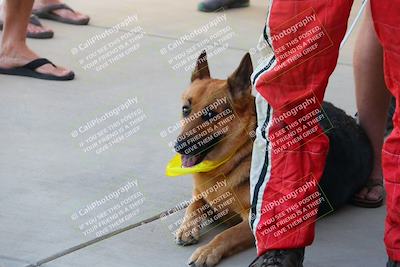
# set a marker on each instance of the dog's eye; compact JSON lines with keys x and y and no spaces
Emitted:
{"x":186,"y":111}
{"x":209,"y":115}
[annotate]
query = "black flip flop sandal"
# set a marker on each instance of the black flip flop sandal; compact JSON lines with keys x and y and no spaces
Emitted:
{"x":47,"y":12}
{"x":34,"y":35}
{"x":29,"y":70}
{"x":366,"y":203}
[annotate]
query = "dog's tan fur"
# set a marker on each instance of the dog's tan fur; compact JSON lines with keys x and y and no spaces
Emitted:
{"x":236,"y":171}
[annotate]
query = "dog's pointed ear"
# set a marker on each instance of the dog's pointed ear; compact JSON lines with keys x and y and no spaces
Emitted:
{"x":240,"y":81}
{"x":201,"y":71}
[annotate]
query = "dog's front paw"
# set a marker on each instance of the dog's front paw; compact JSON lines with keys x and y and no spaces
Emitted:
{"x":187,"y":235}
{"x":205,"y":256}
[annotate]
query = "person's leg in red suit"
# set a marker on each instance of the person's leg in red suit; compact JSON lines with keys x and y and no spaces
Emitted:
{"x":386,"y":16}
{"x":301,"y":43}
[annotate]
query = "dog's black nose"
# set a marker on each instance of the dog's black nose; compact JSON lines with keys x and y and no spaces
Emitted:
{"x":185,"y":147}
{"x":180,"y":147}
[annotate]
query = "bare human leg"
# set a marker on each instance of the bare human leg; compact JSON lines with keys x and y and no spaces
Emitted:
{"x":372,"y":99}
{"x":13,"y":51}
{"x":32,"y":28}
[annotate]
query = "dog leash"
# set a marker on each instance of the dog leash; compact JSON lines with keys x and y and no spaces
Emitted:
{"x":70,"y":250}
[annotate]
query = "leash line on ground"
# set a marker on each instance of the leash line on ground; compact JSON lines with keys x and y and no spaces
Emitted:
{"x":109,"y":235}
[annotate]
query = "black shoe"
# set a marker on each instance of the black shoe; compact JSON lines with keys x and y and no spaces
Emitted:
{"x":391,"y":263}
{"x":220,"y":5}
{"x":281,"y":258}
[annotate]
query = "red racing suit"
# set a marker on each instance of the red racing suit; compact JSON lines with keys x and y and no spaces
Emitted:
{"x":301,"y":42}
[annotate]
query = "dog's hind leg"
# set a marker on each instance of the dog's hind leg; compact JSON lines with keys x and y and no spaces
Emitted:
{"x":229,"y":242}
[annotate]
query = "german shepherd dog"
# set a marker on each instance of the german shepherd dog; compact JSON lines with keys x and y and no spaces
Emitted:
{"x":348,"y":166}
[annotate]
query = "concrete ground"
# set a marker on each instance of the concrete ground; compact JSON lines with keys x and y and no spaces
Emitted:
{"x":49,"y":173}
